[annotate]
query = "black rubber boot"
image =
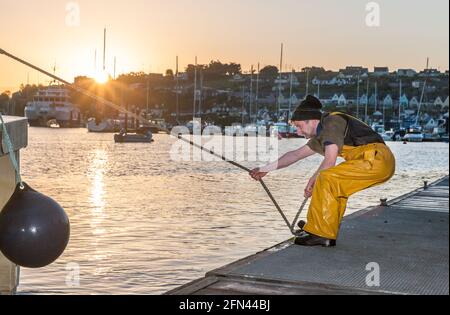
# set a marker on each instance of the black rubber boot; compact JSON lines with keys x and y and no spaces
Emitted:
{"x":308,"y":239}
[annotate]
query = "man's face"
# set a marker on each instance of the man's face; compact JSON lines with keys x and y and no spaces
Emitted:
{"x":306,"y":128}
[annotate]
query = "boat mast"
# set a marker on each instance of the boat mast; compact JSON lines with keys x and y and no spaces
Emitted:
{"x":195,"y":88}
{"x":148,"y":94}
{"x":177,"y":88}
{"x":420,"y":103}
{"x":400,"y":105}
{"x":307,"y":82}
{"x":243,"y":104}
{"x":318,"y":90}
{"x":290,"y":95}
{"x":115,"y":62}
{"x":376,"y":96}
{"x":124,"y":104}
{"x":104,"y":49}
{"x":251,"y":94}
{"x":279,"y":83}
{"x":257,"y":95}
{"x":423,"y":93}
{"x":200,"y":93}
{"x":367,"y":101}
{"x":384,"y":115}
{"x":357,"y":98}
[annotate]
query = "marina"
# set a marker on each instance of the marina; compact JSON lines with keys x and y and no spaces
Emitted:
{"x":123,"y":240}
{"x":218,"y":148}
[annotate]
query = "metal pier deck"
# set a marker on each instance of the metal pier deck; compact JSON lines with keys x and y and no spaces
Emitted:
{"x":408,"y":241}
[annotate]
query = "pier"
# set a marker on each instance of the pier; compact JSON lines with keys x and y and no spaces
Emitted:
{"x":18,"y":131}
{"x":400,"y":247}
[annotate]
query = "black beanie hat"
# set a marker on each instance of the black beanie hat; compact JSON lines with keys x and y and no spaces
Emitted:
{"x":309,"y":109}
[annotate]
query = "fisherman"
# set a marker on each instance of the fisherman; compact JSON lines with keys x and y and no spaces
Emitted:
{"x":368,"y":162}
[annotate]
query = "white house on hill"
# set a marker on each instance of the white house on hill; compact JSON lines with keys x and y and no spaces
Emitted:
{"x":388,"y":102}
{"x":406,"y":73}
{"x":438,"y":101}
{"x":363,"y":99}
{"x":445,"y":104}
{"x":404,"y":100}
{"x":342,"y":100}
{"x":413,"y":103}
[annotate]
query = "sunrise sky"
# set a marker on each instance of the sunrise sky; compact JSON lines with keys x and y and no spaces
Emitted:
{"x":147,"y":34}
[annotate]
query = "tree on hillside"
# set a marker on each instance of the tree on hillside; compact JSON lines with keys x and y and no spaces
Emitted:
{"x":269,"y":73}
{"x":169,"y":73}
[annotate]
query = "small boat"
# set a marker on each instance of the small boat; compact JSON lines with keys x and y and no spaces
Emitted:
{"x":388,"y":135}
{"x":414,"y":135}
{"x":143,"y":135}
{"x":431,"y":137}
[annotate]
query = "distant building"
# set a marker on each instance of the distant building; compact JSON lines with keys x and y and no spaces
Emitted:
{"x":431,"y":124}
{"x":413,"y":103}
{"x":281,"y":81}
{"x":445,"y":104}
{"x":438,"y":101}
{"x":316,"y":81}
{"x":430,"y":73}
{"x":404,"y":100}
{"x":314,"y":70}
{"x":381,"y":71}
{"x":342,"y":101}
{"x":417,"y":84}
{"x":388,"y":102}
{"x":181,"y":76}
{"x":295,"y":100}
{"x":363,"y":100}
{"x":340,"y":80}
{"x":409,"y":73}
{"x":335,"y":99}
{"x":286,"y":80}
{"x":238,"y":78}
{"x":295,"y":81}
{"x":353,"y":71}
{"x":373,"y":101}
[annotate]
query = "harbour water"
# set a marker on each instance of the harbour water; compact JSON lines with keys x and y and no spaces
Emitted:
{"x":144,"y":224}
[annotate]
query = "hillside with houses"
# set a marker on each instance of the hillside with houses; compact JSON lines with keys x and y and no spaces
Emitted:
{"x":225,"y":93}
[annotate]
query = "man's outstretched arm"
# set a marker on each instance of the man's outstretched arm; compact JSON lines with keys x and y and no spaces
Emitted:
{"x":286,"y":160}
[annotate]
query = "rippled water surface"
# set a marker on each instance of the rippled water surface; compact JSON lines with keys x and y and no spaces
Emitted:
{"x":144,"y":224}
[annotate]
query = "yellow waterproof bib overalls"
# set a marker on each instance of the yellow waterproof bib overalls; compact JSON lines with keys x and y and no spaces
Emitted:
{"x":364,"y":167}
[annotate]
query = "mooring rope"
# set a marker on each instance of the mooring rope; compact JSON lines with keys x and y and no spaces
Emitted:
{"x":291,"y":226}
{"x":11,"y":153}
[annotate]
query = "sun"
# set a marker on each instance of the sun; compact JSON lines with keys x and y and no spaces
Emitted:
{"x":101,"y":77}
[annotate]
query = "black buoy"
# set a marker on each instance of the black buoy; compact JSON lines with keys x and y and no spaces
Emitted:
{"x":34,"y":229}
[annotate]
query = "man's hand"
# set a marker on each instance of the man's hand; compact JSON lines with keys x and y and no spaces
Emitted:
{"x":256,"y":174}
{"x":310,"y":187}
